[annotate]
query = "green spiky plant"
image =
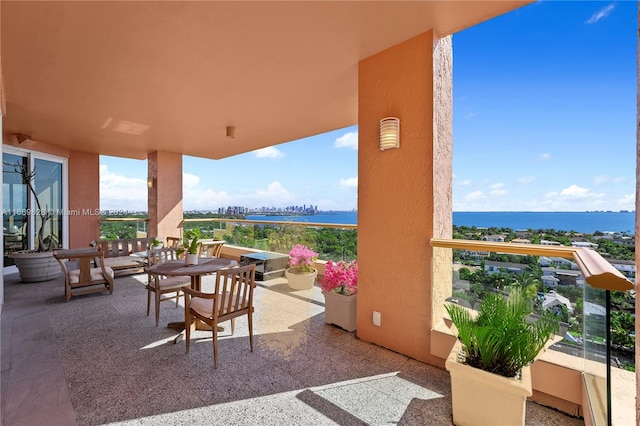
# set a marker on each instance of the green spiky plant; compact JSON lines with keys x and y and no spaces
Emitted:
{"x":500,"y":340}
{"x":191,"y":242}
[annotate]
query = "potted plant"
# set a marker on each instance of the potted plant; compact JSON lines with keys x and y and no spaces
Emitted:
{"x":156,"y":243}
{"x":489,"y":365}
{"x":190,"y":245}
{"x":39,"y":264}
{"x":340,"y":287}
{"x":301,"y":275}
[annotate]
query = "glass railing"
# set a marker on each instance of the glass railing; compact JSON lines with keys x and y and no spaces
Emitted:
{"x":331,"y":241}
{"x":577,"y":294}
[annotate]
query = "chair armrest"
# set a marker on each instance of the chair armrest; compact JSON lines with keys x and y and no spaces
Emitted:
{"x":194,"y":293}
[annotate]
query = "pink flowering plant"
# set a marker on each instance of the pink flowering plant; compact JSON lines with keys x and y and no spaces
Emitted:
{"x":302,"y":258}
{"x":341,"y":277}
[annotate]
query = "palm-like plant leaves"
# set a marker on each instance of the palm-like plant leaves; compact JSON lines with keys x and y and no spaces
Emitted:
{"x":500,"y":340}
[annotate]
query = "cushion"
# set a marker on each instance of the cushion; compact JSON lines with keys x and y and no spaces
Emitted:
{"x":172,"y":282}
{"x":205,"y":306}
{"x":122,"y":262}
{"x":95,"y":274}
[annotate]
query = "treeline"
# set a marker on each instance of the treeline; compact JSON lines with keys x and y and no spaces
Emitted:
{"x":622,"y":247}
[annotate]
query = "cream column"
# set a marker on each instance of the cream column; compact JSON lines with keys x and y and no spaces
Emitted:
{"x":165,"y":194}
{"x":399,"y":209}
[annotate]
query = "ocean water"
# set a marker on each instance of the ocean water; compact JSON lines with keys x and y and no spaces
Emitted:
{"x":586,"y":222}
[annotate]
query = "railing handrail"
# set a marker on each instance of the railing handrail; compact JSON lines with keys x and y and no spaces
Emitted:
{"x":596,"y":270}
{"x":276,"y":222}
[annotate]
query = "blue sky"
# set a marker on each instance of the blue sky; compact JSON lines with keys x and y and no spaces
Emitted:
{"x":544,"y":120}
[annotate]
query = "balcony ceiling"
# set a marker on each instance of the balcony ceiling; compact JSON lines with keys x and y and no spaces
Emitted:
{"x":129,"y":78}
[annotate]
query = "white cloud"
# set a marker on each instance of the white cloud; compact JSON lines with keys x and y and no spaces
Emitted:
{"x":496,"y":186}
{"x":464,"y":182}
{"x":599,"y":180}
{"x":602,"y":13}
{"x":268,"y":152}
{"x":196,"y":198}
{"x":469,"y":115}
{"x":498,"y":193}
{"x":525,"y":180}
{"x":626,"y":202}
{"x":574,"y":198}
{"x":576,"y":191}
{"x":348,"y":140}
{"x":189,"y":180}
{"x":349,"y":183}
{"x":544,"y":156}
{"x":121,"y":192}
{"x":475,"y":196}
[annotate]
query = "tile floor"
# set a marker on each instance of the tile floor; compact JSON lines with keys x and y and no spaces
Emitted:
{"x":100,"y":360}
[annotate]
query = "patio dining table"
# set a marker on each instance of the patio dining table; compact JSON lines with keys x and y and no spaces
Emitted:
{"x":205,"y":266}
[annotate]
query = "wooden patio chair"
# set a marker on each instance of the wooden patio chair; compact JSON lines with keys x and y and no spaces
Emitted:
{"x":233,"y":297}
{"x":79,"y":275}
{"x":173,"y":242}
{"x":160,"y":285}
{"x":210,"y":248}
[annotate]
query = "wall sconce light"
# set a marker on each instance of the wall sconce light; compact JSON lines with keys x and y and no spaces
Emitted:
{"x":151,"y":182}
{"x":389,"y":133}
{"x":231,"y":132}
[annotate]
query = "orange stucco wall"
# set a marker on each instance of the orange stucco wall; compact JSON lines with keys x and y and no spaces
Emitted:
{"x":396,"y":198}
{"x":84,"y":196}
{"x":165,"y":198}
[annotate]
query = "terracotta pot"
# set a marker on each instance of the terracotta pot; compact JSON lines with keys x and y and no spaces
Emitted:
{"x":190,"y":259}
{"x":35,"y":267}
{"x":300,"y":280}
{"x":483,"y":398}
{"x":340,"y":310}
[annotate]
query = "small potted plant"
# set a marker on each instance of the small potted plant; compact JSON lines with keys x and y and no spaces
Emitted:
{"x":340,"y":287}
{"x":190,"y":245}
{"x":301,"y":274}
{"x":156,"y":243}
{"x":489,"y":365}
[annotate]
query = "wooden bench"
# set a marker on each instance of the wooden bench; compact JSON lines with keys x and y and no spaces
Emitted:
{"x":118,"y":254}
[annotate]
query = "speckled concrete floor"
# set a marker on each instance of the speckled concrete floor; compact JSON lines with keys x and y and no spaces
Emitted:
{"x":100,"y":360}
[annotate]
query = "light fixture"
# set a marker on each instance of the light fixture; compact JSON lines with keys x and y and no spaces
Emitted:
{"x":389,"y":133}
{"x":231,"y":132}
{"x":151,"y":182}
{"x":23,"y":139}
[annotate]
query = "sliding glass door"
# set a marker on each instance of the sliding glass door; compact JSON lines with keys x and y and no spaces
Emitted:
{"x":33,"y":202}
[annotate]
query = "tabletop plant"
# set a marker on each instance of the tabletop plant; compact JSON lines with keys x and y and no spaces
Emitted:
{"x":500,"y":339}
{"x":301,"y":259}
{"x":341,"y":277}
{"x":190,"y":242}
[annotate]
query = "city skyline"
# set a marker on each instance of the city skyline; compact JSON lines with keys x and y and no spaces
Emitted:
{"x":544,"y":120}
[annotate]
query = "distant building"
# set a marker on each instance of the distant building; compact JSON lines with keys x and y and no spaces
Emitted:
{"x":550,"y":281}
{"x":553,"y":301}
{"x":520,"y":241}
{"x":494,"y":267}
{"x":494,"y":238}
{"x":584,"y":244}
{"x":565,"y":276}
{"x":549,"y":243}
{"x":557,"y":262}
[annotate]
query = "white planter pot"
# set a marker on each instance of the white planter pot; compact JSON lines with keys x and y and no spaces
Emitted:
{"x":36,"y":267}
{"x":300,"y":280}
{"x":483,"y":398}
{"x":190,"y":259}
{"x":340,"y":310}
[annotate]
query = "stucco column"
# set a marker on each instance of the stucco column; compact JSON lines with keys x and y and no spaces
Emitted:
{"x":165,"y":194}
{"x":399,"y":209}
{"x":84,"y":198}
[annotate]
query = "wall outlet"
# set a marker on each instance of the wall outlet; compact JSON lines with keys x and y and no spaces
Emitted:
{"x":377,"y":318}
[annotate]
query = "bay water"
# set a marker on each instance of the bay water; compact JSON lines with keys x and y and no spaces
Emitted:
{"x":585,"y":222}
